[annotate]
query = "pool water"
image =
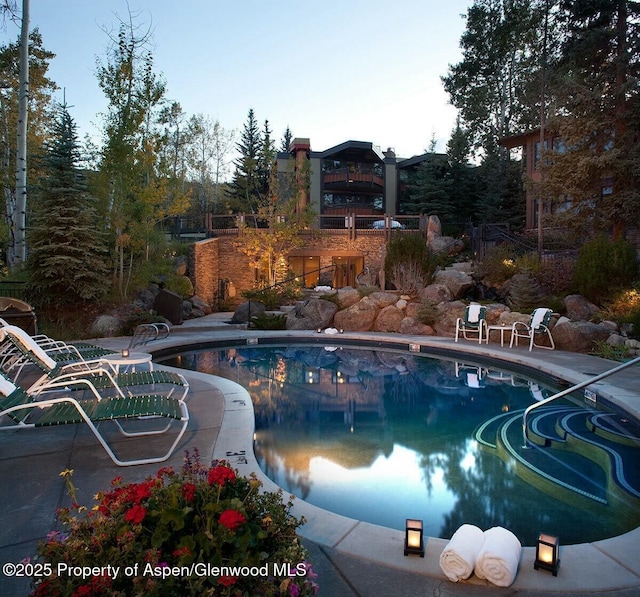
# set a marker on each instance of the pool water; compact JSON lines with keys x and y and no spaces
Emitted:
{"x":383,"y":435}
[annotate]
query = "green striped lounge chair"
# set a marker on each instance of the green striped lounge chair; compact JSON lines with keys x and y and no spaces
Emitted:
{"x":20,"y":409}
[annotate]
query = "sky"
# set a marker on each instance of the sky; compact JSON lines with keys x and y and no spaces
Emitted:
{"x":331,"y":71}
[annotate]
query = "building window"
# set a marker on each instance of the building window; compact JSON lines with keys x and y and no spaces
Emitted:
{"x":307,"y":267}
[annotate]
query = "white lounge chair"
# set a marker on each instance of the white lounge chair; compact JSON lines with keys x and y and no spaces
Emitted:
{"x":101,"y":373}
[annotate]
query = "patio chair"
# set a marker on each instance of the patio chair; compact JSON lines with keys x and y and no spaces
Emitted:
{"x":538,"y":326}
{"x":100,"y":372}
{"x":20,"y":409}
{"x":474,"y":322}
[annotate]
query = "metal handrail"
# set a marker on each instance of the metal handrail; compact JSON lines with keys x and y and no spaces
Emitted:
{"x":148,"y":332}
{"x":578,"y":386}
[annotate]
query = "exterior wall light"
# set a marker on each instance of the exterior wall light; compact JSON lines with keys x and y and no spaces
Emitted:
{"x":547,"y":553}
{"x":413,"y":538}
{"x":125,"y":353}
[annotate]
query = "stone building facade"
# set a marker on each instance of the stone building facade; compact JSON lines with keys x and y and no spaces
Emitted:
{"x":218,"y":270}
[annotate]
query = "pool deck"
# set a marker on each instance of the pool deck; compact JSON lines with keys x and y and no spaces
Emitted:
{"x":352,"y":558}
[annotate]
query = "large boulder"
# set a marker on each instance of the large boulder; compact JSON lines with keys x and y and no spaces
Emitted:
{"x":389,"y":319}
{"x":180,"y":265}
{"x":311,"y":315}
{"x":359,"y":317}
{"x":348,"y":296}
{"x":201,"y":305}
{"x":147,"y":297}
{"x":434,"y":229}
{"x":495,"y":312}
{"x":447,"y":315}
{"x":105,"y":326}
{"x":187,"y":310}
{"x":242,"y":314}
{"x":383,"y":299}
{"x":446,"y":245}
{"x":578,"y":307}
{"x":578,"y":336}
{"x":412,"y":327}
{"x":458,"y":283}
{"x":436,"y":293}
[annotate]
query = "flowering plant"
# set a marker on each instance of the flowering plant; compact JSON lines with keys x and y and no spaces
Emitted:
{"x":201,"y":531}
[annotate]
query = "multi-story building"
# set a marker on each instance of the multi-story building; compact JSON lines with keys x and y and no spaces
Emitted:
{"x":355,"y":189}
{"x":355,"y":177}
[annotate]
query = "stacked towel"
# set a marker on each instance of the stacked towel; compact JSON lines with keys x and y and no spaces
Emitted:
{"x":499,"y":557}
{"x":460,"y":554}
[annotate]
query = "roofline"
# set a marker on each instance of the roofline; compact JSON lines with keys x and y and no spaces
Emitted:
{"x":364,"y":145}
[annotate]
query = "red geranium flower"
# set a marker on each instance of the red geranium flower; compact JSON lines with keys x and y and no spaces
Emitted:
{"x":136,"y":514}
{"x":189,"y":491}
{"x":232,"y":519}
{"x":82,"y":591}
{"x":139,"y":492}
{"x":227,"y":580}
{"x":220,"y":475}
{"x":181,"y":551}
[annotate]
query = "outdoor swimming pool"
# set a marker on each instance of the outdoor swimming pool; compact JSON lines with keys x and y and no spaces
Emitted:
{"x":382,"y":435}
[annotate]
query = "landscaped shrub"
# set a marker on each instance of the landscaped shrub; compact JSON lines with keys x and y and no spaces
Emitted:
{"x":624,"y":307}
{"x":497,"y":265}
{"x":269,"y":321}
{"x":409,"y":264}
{"x":133,"y":315}
{"x":275,"y":297}
{"x":427,"y":312}
{"x":181,"y":285}
{"x":201,"y":531}
{"x":524,"y":292}
{"x":556,"y":275}
{"x":604,"y":267}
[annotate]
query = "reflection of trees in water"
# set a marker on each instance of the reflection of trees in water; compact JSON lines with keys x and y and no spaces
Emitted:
{"x":296,"y":479}
{"x":426,"y":408}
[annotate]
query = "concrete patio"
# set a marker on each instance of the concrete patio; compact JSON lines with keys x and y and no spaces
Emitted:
{"x":352,"y":558}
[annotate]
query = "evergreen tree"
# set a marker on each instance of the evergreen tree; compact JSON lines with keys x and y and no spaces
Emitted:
{"x":245,"y":186}
{"x":501,"y":193}
{"x":489,"y":85}
{"x":67,"y":262}
{"x":445,"y":184}
{"x":595,"y":93}
{"x":429,"y":189}
{"x":464,"y":187}
{"x":266,"y":159}
{"x":285,"y":144}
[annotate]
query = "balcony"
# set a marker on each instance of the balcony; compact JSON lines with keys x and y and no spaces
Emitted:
{"x":346,"y":177}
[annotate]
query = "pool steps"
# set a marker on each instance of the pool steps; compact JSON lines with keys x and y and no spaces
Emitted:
{"x":585,"y":445}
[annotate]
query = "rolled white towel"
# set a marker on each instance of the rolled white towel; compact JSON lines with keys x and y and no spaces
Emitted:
{"x":499,"y":557}
{"x":459,"y":556}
